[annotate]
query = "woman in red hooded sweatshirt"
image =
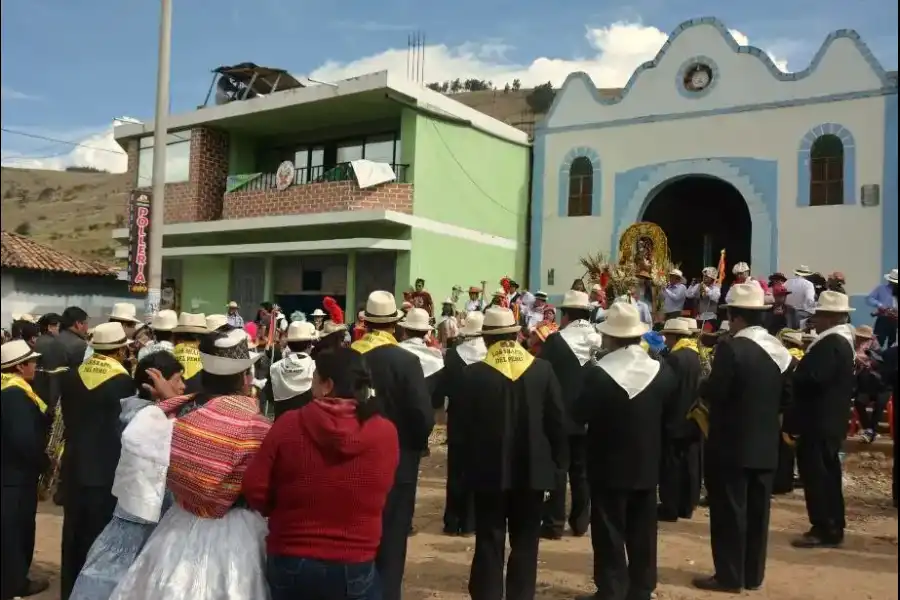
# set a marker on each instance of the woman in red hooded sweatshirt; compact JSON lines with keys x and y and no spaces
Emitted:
{"x":322,"y":477}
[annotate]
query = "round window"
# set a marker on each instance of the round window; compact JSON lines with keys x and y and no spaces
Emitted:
{"x":698,"y":77}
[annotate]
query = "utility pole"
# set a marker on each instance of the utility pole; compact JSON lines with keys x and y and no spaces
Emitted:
{"x":160,"y":135}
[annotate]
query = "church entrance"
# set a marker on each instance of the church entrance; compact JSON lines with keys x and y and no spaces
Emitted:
{"x":700,"y":216}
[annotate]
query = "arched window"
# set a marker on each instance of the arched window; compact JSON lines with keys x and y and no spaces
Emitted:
{"x":581,"y":183}
{"x":826,"y":171}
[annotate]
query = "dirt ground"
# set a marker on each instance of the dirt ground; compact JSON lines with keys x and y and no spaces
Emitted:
{"x":864,"y":569}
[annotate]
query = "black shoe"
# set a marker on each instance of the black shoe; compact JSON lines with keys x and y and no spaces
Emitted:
{"x":711,"y":584}
{"x":548,"y":533}
{"x":412,"y":531}
{"x":665,"y":516}
{"x":686,"y":515}
{"x":34,"y":587}
{"x":578,"y":532}
{"x":811,"y":540}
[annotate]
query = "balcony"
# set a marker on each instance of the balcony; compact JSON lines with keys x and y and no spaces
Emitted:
{"x":314,"y":190}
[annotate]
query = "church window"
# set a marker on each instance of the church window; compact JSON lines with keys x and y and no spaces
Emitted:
{"x":581,"y":184}
{"x":826,"y":171}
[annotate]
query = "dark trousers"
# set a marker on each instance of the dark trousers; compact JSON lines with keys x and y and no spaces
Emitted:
{"x":739,"y":504}
{"x":519,"y":513}
{"x":819,"y":463}
{"x":291,"y":577}
{"x":784,"y":474}
{"x":885,"y":331}
{"x":575,"y":478}
{"x":623,"y":536}
{"x":396,"y":523}
{"x":86,"y":513}
{"x":679,"y":482}
{"x":877,"y":401}
{"x":459,"y":510}
{"x":19,"y":509}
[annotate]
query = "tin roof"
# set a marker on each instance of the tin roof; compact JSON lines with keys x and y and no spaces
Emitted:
{"x":20,"y":252}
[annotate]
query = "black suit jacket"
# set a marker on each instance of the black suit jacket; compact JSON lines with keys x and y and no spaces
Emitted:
{"x":22,"y":438}
{"x":746,"y":393}
{"x":569,"y":373}
{"x":686,"y":368}
{"x":824,"y":383}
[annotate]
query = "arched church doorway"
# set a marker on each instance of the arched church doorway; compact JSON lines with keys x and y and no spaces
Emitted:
{"x":701,"y":215}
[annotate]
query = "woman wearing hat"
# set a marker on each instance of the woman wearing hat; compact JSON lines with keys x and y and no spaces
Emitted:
{"x":399,"y":380}
{"x":91,"y":405}
{"x":23,"y":440}
{"x":510,"y":395}
{"x":824,"y":384}
{"x":746,"y":391}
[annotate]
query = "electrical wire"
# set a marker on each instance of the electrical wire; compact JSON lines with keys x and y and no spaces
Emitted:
{"x":58,"y":141}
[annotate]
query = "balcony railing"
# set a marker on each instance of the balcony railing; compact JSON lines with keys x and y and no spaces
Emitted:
{"x":254,"y":182}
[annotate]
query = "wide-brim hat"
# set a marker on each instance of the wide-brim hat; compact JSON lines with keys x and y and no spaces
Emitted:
{"x":301,"y":331}
{"x":125,"y":312}
{"x":473,"y":324}
{"x":164,"y":320}
{"x":540,"y":295}
{"x":793,"y":337}
{"x":833,"y":302}
{"x":576,"y":300}
{"x":677,"y":327}
{"x":318,"y":313}
{"x":213,"y":322}
{"x":499,"y":320}
{"x":329,"y":327}
{"x":191,"y":323}
{"x":741,"y":267}
{"x":623,"y":321}
{"x":676,"y":273}
{"x":381,"y":307}
{"x":15,"y":353}
{"x":692,"y":323}
{"x":710,"y":272}
{"x":892,"y":276}
{"x":227,"y":353}
{"x":778,"y":276}
{"x":109,"y":336}
{"x":23,"y":317}
{"x":474,"y":290}
{"x":803,"y":271}
{"x":232,"y":304}
{"x":748,"y":296}
{"x":865,"y":331}
{"x":417,"y":319}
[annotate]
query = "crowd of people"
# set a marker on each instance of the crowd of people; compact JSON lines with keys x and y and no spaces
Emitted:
{"x":205,"y":457}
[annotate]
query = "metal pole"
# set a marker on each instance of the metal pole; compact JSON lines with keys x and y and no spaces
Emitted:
{"x":160,"y":131}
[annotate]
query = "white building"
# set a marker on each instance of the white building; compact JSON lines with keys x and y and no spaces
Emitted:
{"x":711,"y":141}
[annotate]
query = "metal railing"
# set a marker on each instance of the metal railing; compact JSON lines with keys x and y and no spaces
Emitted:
{"x":306,"y":176}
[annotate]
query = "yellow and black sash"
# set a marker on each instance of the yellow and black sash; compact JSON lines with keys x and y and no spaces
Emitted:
{"x":797,"y":353}
{"x":686,"y":344}
{"x":10,"y":380}
{"x":188,"y":354}
{"x":99,"y":369}
{"x":509,"y":359}
{"x":373,"y":339}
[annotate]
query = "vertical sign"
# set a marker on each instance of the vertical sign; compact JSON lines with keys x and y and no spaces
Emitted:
{"x":138,"y":240}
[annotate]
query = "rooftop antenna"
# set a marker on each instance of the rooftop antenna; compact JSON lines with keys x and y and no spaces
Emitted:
{"x":415,"y":57}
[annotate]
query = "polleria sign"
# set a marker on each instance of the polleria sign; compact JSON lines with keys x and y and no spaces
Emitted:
{"x":139,"y":232}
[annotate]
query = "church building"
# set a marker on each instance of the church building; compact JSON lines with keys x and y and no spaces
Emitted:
{"x":720,"y":148}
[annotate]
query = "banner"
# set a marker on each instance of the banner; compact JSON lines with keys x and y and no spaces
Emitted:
{"x":138,"y":242}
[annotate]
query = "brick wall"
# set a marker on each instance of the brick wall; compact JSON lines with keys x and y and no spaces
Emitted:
{"x":333,"y":196}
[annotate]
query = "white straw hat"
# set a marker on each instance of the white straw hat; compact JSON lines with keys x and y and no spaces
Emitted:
{"x":892,"y":276}
{"x":472,"y":325}
{"x":676,"y":273}
{"x":213,"y":322}
{"x":794,"y":337}
{"x":833,"y":302}
{"x":498,"y":320}
{"x":417,"y":319}
{"x":576,"y":300}
{"x":191,"y":323}
{"x":318,"y":313}
{"x":124,"y":311}
{"x":16,"y":352}
{"x":710,"y":272}
{"x":109,"y":336}
{"x":676,"y":327}
{"x":748,"y":296}
{"x":301,"y":331}
{"x":623,"y":321}
{"x":741,"y":267}
{"x":381,"y":307}
{"x":23,"y":317}
{"x":803,"y":271}
{"x":227,"y":353}
{"x":164,"y":320}
{"x":691,"y":323}
{"x":232,"y":304}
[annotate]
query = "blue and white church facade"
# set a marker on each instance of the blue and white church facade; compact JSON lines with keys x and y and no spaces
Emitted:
{"x":810,"y":156}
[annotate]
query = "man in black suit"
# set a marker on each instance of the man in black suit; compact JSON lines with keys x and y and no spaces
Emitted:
{"x":745,"y":392}
{"x":626,"y":402}
{"x":824,"y":383}
{"x":514,"y":443}
{"x":400,"y":382}
{"x":567,"y":351}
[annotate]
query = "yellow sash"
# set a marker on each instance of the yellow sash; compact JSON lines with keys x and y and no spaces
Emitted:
{"x":373,"y":339}
{"x":686,"y":344}
{"x":188,"y":354}
{"x":509,"y":358}
{"x":9,"y":380}
{"x":99,"y":369}
{"x":796,"y":353}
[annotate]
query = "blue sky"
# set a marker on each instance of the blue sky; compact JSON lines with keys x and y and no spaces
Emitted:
{"x":69,"y":67}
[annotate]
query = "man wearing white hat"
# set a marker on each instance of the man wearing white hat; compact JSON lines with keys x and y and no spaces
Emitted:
{"x":23,"y":440}
{"x":801,"y":293}
{"x":746,"y":392}
{"x":883,"y":300}
{"x":234,"y":315}
{"x":567,"y":351}
{"x":459,"y":513}
{"x":417,"y":324}
{"x":187,"y":335}
{"x":674,"y":295}
{"x":513,"y":427}
{"x":627,"y":396}
{"x":824,"y":385}
{"x":318,"y":318}
{"x":399,"y":380}
{"x":290,"y":379}
{"x":706,"y":293}
{"x":162,"y":325}
{"x":91,"y":407}
{"x":126,"y":314}
{"x":741,"y":272}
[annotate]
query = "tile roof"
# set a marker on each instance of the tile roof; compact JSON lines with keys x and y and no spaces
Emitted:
{"x":20,"y":252}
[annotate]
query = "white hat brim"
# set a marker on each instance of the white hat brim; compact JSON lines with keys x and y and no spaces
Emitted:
{"x":190,"y":329}
{"x":110,"y":345}
{"x":218,"y":365}
{"x":802,"y":273}
{"x":113,"y":317}
{"x":18,"y":361}
{"x":610,"y":329}
{"x":302,"y":338}
{"x":383,"y":318}
{"x":501,"y":330}
{"x":890,"y":278}
{"x":576,"y":306}
{"x":469,"y":332}
{"x":837,"y":311}
{"x":420,"y":328}
{"x":678,"y":331}
{"x":747,"y":306}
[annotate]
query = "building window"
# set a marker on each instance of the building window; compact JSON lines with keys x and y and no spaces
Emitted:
{"x":581,"y":183}
{"x":178,"y":159}
{"x":826,"y":171}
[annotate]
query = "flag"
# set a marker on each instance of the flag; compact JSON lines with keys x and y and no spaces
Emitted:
{"x":721,"y":277}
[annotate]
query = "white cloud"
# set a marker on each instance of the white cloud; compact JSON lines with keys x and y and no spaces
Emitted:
{"x":98,"y":150}
{"x":615,"y":52}
{"x":11,"y":94}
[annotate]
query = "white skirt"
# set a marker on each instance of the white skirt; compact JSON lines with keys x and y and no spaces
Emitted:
{"x":201,"y":559}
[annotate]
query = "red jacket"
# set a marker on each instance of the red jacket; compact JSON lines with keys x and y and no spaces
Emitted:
{"x":322,"y":478}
